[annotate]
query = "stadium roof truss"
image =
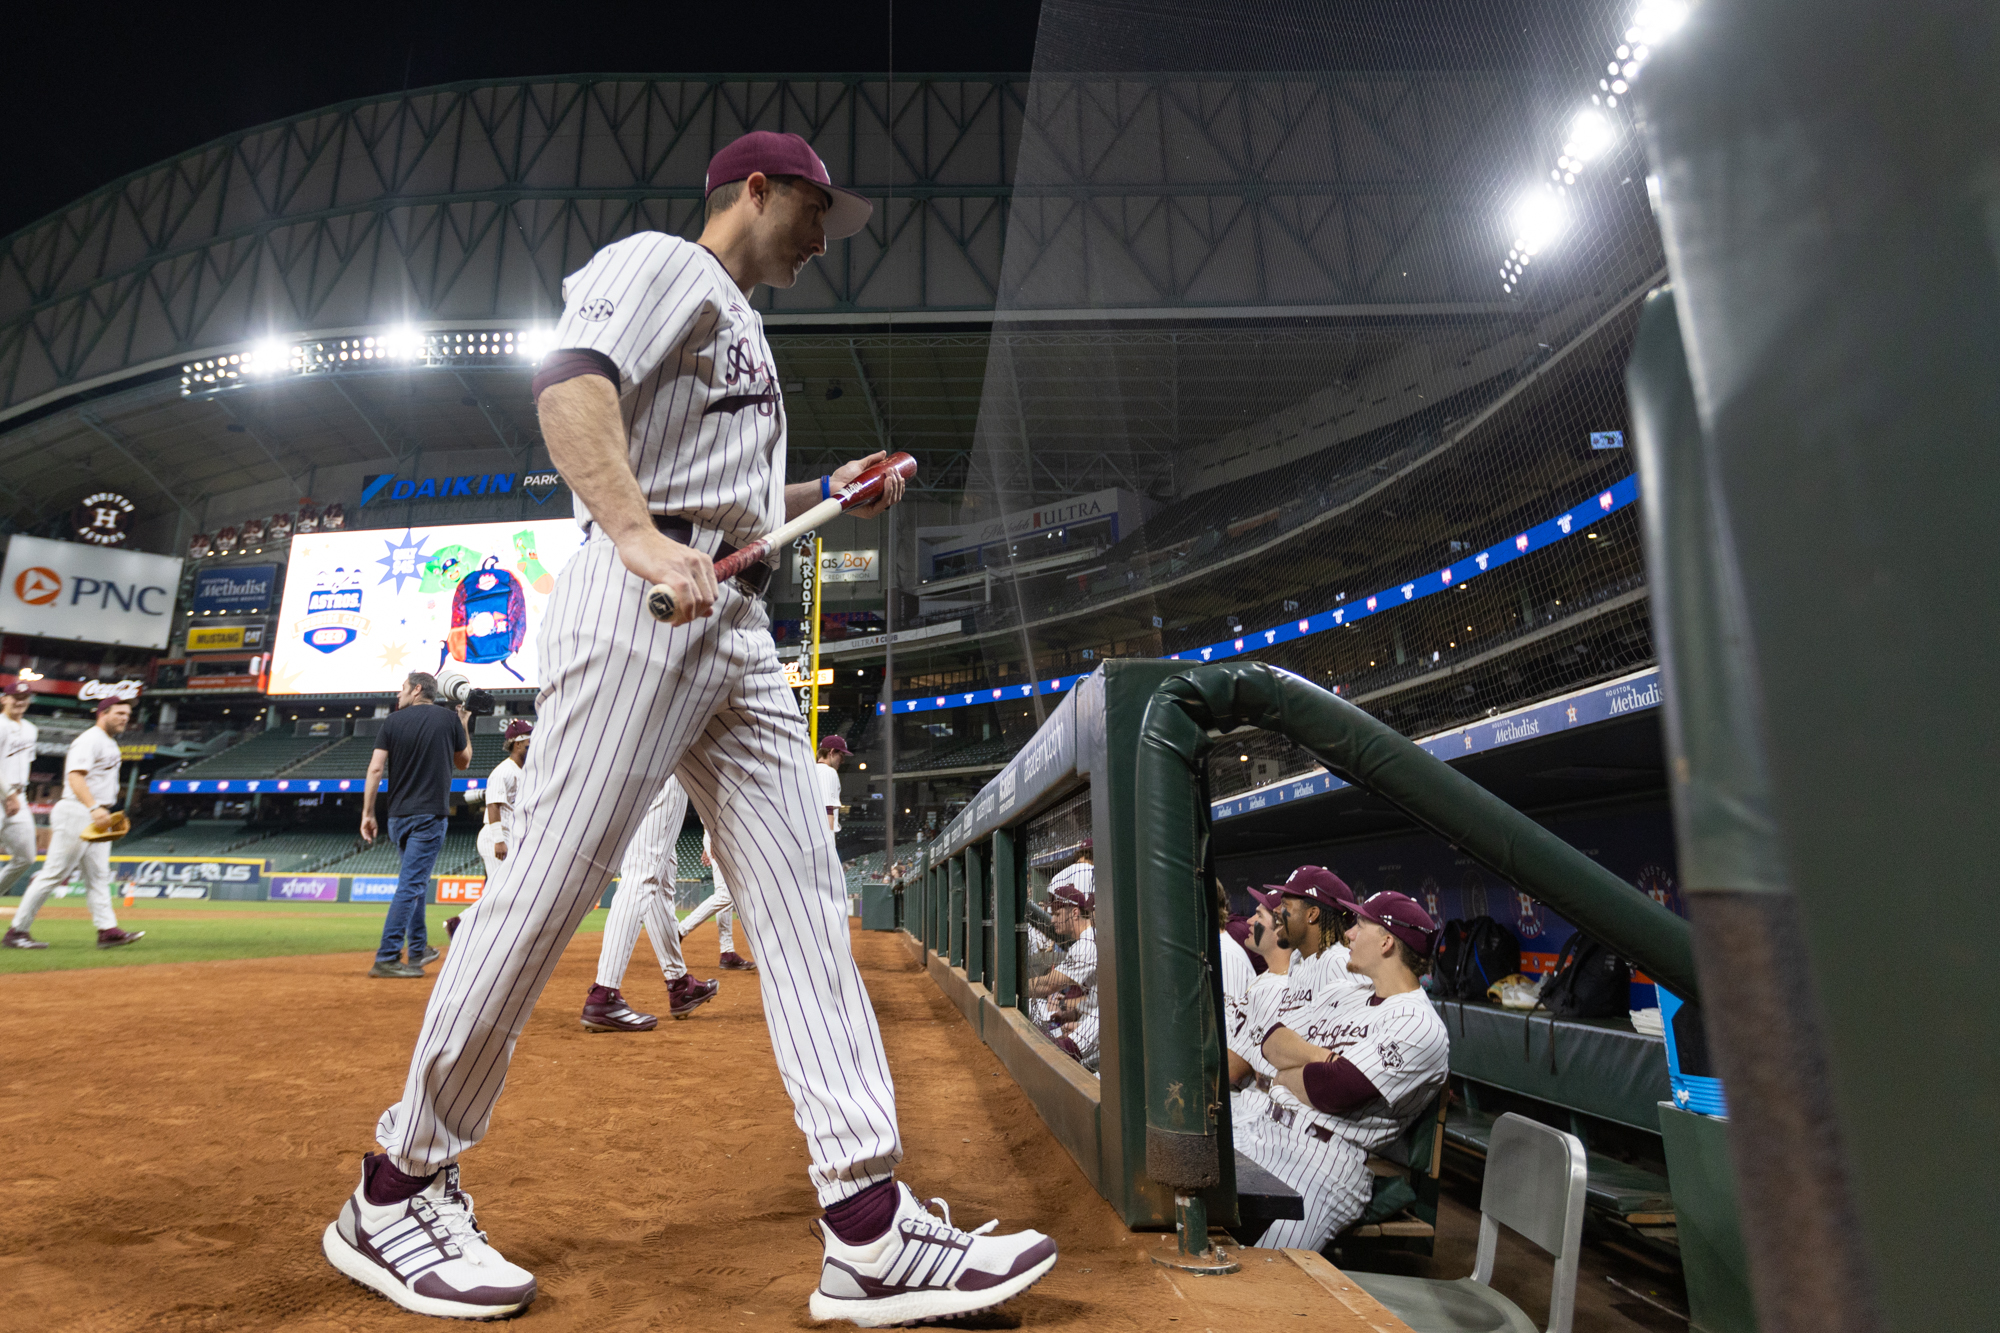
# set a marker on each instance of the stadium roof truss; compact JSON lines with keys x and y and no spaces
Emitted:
{"x":1159,"y":203}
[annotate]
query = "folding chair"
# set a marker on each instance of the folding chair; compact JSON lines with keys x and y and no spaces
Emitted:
{"x":1535,"y":1183}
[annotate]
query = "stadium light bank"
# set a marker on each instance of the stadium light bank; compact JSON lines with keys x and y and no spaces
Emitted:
{"x":1541,"y":214}
{"x":269,"y":359}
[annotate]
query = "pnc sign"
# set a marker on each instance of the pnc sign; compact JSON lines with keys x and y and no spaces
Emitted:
{"x":94,"y":594}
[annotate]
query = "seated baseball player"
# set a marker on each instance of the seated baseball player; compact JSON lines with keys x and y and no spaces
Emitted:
{"x":1352,"y":1074}
{"x":1068,"y":991}
{"x":1250,"y":1074}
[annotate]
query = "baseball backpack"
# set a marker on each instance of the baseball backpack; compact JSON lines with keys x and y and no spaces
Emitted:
{"x":1589,"y":981}
{"x":489,"y":616}
{"x":1472,"y":955}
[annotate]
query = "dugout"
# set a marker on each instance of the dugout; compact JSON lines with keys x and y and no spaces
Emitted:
{"x":1129,"y":742}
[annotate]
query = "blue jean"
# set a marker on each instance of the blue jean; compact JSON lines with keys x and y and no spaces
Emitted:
{"x":419,"y":838}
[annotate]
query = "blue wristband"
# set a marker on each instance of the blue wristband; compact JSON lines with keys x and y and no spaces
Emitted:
{"x":826,"y":488}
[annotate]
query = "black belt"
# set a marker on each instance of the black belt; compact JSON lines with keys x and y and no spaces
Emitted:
{"x":752,"y":580}
{"x":1285,"y":1116}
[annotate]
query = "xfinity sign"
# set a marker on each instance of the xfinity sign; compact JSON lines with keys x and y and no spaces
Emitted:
{"x":65,"y":590}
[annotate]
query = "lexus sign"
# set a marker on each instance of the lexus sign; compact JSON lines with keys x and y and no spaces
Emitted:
{"x":65,"y":590}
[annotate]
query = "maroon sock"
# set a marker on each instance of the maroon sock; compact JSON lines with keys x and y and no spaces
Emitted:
{"x":864,"y":1217}
{"x":383,"y":1184}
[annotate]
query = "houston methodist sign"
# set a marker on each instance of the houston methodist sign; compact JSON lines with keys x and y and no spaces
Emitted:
{"x":66,"y":590}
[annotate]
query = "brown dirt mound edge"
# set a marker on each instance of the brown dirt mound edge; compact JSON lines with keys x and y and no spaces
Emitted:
{"x":181,"y":1135}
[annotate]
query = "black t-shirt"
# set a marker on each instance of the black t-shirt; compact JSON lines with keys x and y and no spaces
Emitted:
{"x":420,"y":740}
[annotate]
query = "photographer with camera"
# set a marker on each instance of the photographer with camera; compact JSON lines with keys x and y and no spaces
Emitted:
{"x":419,"y":746}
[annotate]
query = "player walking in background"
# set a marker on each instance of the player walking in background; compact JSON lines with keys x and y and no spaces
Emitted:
{"x":833,"y":752}
{"x":17,"y":754}
{"x":90,"y":785}
{"x":718,"y":905}
{"x":663,"y":412}
{"x":646,"y":896}
{"x":502,"y":788}
{"x":1352,"y":1074}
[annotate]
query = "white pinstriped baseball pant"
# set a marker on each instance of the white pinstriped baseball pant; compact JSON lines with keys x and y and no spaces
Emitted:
{"x":627,"y":702}
{"x":716,"y":905}
{"x":646,"y":893}
{"x":17,"y":836}
{"x":1331,"y":1177}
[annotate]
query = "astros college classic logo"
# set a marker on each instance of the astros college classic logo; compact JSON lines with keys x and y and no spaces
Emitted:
{"x":38,"y":586}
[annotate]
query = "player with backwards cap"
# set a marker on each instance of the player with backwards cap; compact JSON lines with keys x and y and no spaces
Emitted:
{"x":662,"y":410}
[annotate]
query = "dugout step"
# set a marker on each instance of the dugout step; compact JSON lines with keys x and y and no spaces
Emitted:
{"x":1631,"y":1193}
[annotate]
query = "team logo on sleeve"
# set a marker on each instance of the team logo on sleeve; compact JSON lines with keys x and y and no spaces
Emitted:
{"x":598,"y":308}
{"x":1392,"y":1054}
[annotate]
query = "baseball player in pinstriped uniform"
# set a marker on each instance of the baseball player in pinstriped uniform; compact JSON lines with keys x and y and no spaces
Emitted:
{"x":17,"y":755}
{"x":662,"y":411}
{"x":503,"y":787}
{"x":90,"y":785}
{"x":645,"y":896}
{"x":1250,"y":1074}
{"x":718,"y":905}
{"x":1352,"y":1075}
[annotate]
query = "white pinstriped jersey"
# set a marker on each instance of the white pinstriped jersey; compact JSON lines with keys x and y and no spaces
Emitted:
{"x":1317,"y":985}
{"x":1399,"y":1044}
{"x":703,"y":414}
{"x":97,"y":757}
{"x":503,"y":791}
{"x":17,"y":753}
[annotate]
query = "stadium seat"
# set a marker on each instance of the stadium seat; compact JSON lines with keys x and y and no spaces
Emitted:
{"x":1535,"y":1184}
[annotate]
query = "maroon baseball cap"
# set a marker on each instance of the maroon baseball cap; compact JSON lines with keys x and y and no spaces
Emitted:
{"x":788,"y":155}
{"x":1315,"y":884}
{"x":833,"y":745}
{"x":519,"y":729}
{"x":1400,"y":915}
{"x":106,"y":705}
{"x":21,"y":689}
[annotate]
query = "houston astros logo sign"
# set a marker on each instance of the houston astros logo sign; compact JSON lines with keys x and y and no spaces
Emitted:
{"x":38,"y":586}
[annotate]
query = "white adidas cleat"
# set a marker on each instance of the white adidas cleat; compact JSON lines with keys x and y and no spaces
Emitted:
{"x":924,"y":1268}
{"x":427,"y":1253}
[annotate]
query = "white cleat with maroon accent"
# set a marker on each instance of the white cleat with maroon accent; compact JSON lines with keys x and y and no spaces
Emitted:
{"x":925,"y":1268}
{"x":427,"y":1253}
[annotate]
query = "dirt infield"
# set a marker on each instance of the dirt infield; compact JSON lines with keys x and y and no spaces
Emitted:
{"x":179,"y":1135}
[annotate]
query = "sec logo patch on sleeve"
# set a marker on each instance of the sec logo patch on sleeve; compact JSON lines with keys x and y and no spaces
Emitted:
{"x":599,"y":308}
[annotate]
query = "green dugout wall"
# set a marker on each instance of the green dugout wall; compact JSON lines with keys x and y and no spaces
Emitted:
{"x":1135,"y":735}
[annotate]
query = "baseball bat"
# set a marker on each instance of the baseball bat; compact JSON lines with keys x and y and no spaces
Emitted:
{"x":864,"y":488}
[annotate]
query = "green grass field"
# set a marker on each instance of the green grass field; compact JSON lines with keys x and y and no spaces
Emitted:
{"x":205,"y":932}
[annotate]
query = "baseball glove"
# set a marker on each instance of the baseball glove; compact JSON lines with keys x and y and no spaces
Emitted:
{"x":110,"y":831}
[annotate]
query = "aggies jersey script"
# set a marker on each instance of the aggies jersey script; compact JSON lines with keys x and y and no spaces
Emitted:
{"x":697,"y":389}
{"x":1398,"y":1043}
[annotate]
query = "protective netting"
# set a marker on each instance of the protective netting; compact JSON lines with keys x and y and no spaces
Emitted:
{"x":1273,"y":340}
